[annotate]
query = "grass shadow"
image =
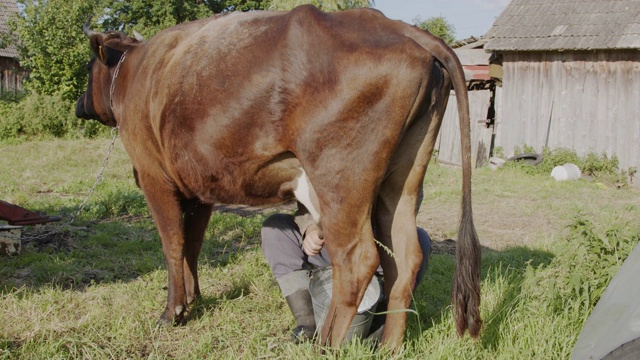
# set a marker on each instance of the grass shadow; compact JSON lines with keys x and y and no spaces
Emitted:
{"x":116,"y":249}
{"x":207,"y":304}
{"x":432,"y":298}
{"x":509,"y":266}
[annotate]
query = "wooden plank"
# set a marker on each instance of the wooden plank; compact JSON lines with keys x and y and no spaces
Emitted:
{"x":448,"y":144}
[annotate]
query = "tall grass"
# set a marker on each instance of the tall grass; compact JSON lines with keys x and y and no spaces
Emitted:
{"x":97,"y":288}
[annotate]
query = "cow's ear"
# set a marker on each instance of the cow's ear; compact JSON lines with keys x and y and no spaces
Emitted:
{"x":96,"y":42}
{"x":106,"y":54}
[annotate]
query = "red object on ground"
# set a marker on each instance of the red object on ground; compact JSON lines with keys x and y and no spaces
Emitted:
{"x":16,"y":215}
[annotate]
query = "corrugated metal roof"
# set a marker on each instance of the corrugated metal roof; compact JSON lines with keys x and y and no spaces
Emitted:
{"x":7,"y":9}
{"x":527,"y":25}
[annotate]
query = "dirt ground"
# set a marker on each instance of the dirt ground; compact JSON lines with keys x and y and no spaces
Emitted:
{"x":498,"y":228}
{"x":441,"y":242}
{"x":534,"y":213}
{"x":440,"y":224}
{"x":494,"y":231}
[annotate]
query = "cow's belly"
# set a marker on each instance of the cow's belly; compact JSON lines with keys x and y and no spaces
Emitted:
{"x":279,"y":179}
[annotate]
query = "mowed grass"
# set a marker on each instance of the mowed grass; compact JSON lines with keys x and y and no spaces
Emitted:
{"x":96,"y":288}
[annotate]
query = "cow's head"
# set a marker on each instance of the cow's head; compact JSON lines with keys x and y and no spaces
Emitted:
{"x":108,"y":50}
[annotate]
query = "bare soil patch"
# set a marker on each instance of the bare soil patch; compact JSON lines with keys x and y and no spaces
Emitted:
{"x":498,"y":228}
{"x":532,"y":211}
{"x":51,"y":238}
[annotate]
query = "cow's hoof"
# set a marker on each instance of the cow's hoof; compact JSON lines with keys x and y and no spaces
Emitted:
{"x":191,"y":299}
{"x":164,"y":322}
{"x":177,"y":318}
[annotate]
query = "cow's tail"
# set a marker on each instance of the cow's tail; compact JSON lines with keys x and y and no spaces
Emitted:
{"x":466,"y":282}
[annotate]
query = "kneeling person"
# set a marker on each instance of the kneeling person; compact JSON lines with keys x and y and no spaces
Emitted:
{"x":293,"y":247}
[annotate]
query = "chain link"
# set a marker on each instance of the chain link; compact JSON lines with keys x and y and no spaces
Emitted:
{"x":113,"y":79}
{"x":99,"y":179}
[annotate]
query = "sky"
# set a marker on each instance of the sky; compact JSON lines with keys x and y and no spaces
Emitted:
{"x":468,"y":17}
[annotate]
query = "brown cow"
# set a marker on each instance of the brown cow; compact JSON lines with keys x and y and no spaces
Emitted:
{"x":338,"y":110}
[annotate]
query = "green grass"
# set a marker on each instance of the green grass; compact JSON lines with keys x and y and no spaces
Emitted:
{"x":96,"y":290}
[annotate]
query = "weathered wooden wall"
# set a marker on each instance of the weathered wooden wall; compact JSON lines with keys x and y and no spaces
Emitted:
{"x":588,"y":101}
{"x":11,"y":75}
{"x":448,"y":144}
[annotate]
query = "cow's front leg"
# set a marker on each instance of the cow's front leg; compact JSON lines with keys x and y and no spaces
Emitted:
{"x":196,"y":217}
{"x":165,"y":207}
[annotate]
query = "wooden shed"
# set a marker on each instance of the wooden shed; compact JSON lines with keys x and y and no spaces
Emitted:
{"x":11,"y":74}
{"x":570,"y":72}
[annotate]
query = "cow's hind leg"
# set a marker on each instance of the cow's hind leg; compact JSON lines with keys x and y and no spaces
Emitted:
{"x":196,"y":217}
{"x":396,"y":209}
{"x":396,"y":230}
{"x":354,"y":260}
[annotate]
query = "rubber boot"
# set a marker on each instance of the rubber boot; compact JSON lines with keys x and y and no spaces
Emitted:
{"x":302,"y":309}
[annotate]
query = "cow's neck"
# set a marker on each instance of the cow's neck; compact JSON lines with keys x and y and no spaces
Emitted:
{"x":113,"y":82}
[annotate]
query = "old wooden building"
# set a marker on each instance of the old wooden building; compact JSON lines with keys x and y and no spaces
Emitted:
{"x":11,"y":74}
{"x":482,"y":93}
{"x":570,"y":73}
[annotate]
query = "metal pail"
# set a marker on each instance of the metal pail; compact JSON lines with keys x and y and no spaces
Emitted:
{"x":320,"y":288}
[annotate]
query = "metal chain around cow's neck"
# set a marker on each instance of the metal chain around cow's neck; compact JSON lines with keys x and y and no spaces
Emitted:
{"x":113,"y":80}
{"x":99,"y":179}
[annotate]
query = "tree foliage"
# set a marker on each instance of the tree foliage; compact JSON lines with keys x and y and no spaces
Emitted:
{"x":52,"y":45}
{"x":438,"y":26}
{"x":325,"y":5}
{"x":149,"y":17}
{"x":5,"y":40}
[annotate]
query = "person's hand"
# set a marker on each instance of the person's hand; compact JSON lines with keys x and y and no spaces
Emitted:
{"x":313,"y":241}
